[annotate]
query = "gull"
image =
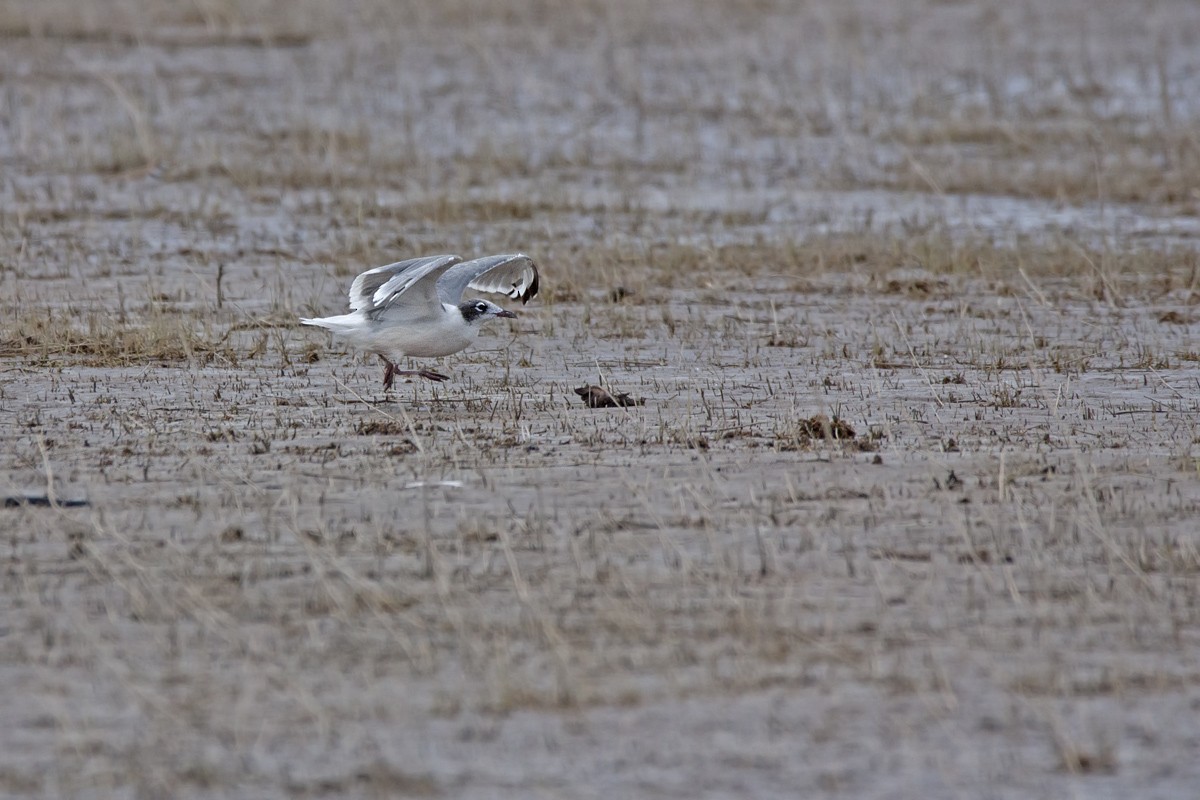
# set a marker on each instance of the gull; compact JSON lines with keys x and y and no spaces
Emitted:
{"x":415,"y":309}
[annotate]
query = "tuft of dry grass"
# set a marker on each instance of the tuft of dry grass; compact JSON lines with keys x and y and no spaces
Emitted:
{"x":104,"y":339}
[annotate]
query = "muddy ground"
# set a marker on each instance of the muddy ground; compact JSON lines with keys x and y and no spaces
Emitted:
{"x":910,"y":508}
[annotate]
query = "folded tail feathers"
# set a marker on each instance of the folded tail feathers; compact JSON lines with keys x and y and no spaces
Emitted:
{"x":334,"y":324}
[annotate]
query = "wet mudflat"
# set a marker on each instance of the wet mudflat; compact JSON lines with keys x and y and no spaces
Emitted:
{"x":909,"y":508}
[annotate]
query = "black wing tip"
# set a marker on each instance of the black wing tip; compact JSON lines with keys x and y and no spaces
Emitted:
{"x":532,"y":291}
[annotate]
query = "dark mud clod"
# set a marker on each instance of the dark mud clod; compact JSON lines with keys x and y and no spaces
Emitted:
{"x":596,"y":397}
{"x":234,"y":533}
{"x":42,"y":501}
{"x":380,"y":427}
{"x":951,"y":483}
{"x":822,"y":427}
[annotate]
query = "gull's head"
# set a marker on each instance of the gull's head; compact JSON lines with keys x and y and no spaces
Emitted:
{"x":476,"y":311}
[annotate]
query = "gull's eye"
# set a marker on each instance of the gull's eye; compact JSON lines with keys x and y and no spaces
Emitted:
{"x":481,"y":307}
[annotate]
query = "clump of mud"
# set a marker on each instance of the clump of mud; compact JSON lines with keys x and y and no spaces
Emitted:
{"x":820,"y":427}
{"x":596,"y":397}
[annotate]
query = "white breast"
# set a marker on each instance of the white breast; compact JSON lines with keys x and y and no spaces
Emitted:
{"x":444,"y":334}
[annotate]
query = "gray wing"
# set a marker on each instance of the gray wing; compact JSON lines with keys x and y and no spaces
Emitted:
{"x":368,"y":290}
{"x":412,"y":296}
{"x":514,"y":275}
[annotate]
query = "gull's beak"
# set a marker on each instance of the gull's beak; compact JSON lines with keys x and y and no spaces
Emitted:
{"x":506,"y":314}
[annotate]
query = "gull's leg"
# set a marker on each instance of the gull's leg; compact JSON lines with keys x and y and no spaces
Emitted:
{"x":389,"y":372}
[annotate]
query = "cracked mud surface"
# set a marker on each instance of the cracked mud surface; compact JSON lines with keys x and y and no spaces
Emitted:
{"x":909,"y":510}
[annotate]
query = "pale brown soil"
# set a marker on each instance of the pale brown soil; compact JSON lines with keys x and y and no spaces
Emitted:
{"x":911,"y":507}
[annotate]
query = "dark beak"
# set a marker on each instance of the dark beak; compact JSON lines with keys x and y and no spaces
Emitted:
{"x":506,"y":314}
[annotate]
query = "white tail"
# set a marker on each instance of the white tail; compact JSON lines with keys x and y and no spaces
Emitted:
{"x":339,"y":324}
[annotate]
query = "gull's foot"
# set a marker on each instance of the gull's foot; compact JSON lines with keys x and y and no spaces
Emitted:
{"x":390,"y":371}
{"x":427,"y":374}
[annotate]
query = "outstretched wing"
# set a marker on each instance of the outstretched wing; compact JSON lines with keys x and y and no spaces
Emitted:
{"x":372,"y":288}
{"x":514,"y":275}
{"x":412,"y":296}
